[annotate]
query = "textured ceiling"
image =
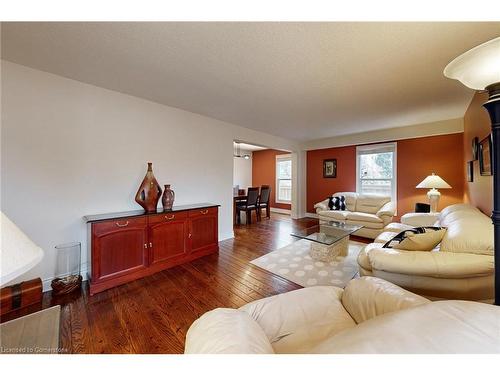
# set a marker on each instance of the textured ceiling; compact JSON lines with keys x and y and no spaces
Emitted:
{"x":297,"y":80}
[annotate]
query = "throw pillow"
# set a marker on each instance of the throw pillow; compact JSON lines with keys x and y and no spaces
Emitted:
{"x":336,"y":203}
{"x":417,"y":239}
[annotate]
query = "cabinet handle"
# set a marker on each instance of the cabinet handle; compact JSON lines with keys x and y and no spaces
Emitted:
{"x":145,"y":245}
{"x":190,"y":235}
{"x":150,"y":244}
{"x":122,"y":225}
{"x":204,"y":212}
{"x":169,"y":217}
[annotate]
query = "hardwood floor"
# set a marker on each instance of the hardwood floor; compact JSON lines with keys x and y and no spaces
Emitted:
{"x":152,"y":315}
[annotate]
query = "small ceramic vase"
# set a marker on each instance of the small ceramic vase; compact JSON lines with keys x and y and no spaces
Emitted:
{"x":168,"y":198}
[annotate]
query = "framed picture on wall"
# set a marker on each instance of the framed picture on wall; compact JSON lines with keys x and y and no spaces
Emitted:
{"x":475,"y":148}
{"x":470,"y":171}
{"x":485,"y":147}
{"x":330,"y":168}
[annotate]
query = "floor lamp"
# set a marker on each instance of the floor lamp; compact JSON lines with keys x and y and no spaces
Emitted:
{"x":479,"y":69}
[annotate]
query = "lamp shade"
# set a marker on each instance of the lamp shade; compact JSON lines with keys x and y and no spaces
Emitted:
{"x":18,"y":254}
{"x":478,"y":67}
{"x":433,"y":182}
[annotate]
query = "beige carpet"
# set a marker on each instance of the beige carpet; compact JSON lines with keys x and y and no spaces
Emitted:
{"x":294,"y":263}
{"x":36,"y":333}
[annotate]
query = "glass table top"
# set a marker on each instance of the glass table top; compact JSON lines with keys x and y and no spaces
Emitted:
{"x":326,"y":233}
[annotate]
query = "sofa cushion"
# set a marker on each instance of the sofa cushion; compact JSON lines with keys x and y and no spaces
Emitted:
{"x":366,"y":224}
{"x":438,"y":327}
{"x":368,"y":297}
{"x":437,"y":264}
{"x":334,"y":215}
{"x":362,"y":216}
{"x":214,"y":332}
{"x":296,"y":321}
{"x":370,"y":203}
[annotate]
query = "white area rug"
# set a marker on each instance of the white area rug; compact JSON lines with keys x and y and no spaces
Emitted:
{"x":294,"y":263}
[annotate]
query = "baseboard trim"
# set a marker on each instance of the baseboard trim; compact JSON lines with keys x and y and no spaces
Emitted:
{"x":311,"y":215}
{"x":281,"y":211}
{"x":226,"y":236}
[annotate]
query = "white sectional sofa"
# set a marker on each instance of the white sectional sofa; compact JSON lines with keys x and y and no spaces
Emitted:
{"x":370,"y":316}
{"x":374,"y":212}
{"x":461,"y":267}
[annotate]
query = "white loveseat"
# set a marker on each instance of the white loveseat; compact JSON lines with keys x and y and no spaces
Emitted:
{"x":461,"y":267}
{"x":370,"y":316}
{"x":374,"y":212}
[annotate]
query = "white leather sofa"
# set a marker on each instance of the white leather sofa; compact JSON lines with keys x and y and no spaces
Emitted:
{"x":374,"y":212}
{"x":370,"y":316}
{"x":461,"y":267}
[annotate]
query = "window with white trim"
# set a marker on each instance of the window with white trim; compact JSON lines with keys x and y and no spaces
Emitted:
{"x":376,"y":170}
{"x":283,"y":178}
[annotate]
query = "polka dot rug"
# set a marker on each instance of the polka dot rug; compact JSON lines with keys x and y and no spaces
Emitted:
{"x":294,"y":263}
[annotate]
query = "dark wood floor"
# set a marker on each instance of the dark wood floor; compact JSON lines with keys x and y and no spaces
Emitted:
{"x":152,"y":315}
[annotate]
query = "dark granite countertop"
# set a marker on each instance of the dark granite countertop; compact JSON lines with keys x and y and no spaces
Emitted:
{"x":118,"y":215}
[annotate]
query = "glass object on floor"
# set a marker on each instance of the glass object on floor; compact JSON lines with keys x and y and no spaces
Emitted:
{"x":68,"y":259}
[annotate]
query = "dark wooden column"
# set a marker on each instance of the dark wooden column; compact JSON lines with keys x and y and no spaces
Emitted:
{"x":493,"y":107}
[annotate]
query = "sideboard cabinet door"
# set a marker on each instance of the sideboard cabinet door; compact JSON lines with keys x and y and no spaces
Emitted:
{"x":203,"y":231}
{"x":119,"y":247}
{"x":167,"y":236}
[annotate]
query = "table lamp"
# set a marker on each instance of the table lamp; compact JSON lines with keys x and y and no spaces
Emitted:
{"x":479,"y":69}
{"x":433,"y":182}
{"x":18,"y":254}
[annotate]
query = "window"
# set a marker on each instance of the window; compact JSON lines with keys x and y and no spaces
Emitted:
{"x":376,"y":169}
{"x":283,"y":179}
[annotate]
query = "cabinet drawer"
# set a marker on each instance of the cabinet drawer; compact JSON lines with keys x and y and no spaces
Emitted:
{"x":167,"y":216}
{"x":112,"y":225}
{"x":203,"y":212}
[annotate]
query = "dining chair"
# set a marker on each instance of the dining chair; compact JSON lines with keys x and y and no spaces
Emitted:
{"x":265,"y":194}
{"x":249,"y":206}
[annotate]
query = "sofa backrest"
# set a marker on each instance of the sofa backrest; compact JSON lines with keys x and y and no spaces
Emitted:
{"x":350,"y":199}
{"x":468,"y":230}
{"x":370,"y":203}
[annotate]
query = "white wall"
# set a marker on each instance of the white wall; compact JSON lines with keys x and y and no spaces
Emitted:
{"x":242,"y":171}
{"x":69,"y":149}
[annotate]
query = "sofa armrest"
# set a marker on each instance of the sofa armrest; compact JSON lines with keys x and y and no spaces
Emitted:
{"x":321,"y":206}
{"x":387,"y":209}
{"x":226,"y":331}
{"x":368,"y":297}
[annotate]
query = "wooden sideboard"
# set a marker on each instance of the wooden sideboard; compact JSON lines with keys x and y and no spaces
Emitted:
{"x":125,"y":246}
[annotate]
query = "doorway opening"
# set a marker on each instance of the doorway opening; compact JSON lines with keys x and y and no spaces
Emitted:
{"x":266,"y":169}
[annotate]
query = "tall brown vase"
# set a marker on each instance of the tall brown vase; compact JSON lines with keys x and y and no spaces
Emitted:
{"x":149,"y":192}
{"x":168,"y":198}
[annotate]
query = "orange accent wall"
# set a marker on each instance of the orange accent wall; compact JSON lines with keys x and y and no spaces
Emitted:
{"x":416,"y":159}
{"x":477,"y":123}
{"x":264,"y":173}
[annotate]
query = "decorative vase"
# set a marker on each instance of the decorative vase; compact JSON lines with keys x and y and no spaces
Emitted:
{"x":149,"y":192}
{"x":68,"y":276}
{"x":168,"y":198}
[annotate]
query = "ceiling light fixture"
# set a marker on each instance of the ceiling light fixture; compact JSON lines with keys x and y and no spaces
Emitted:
{"x":237,"y":153}
{"x":479,"y":69}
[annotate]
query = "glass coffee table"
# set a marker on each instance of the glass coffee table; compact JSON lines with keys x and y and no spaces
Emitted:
{"x":329,"y":239}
